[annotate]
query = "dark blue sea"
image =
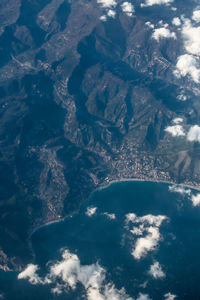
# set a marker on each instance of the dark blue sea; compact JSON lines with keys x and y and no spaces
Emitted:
{"x":131,"y":240}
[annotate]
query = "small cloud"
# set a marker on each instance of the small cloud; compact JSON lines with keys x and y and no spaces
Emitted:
{"x":194,"y":134}
{"x":91,"y":211}
{"x":147,"y":219}
{"x":196,"y":16}
{"x":138,"y":230}
{"x":57,"y":290}
{"x":144,"y":284}
{"x":109,"y":6}
{"x":188,"y":65}
{"x":110,"y":292}
{"x":107,"y":3}
{"x":180,"y":189}
{"x":156,"y":2}
{"x":111,"y":13}
{"x":161,"y":23}
{"x":103,"y":18}
{"x":150,"y":25}
{"x":128,"y":8}
{"x":70,"y":271}
{"x":148,"y":243}
{"x":177,"y":120}
{"x":110,"y":216}
{"x":182,"y":97}
{"x":174,"y":8}
{"x":170,"y":296}
{"x":163,"y":32}
{"x":30,"y":273}
{"x":176,"y":21}
{"x":186,"y":192}
{"x":143,"y":297}
{"x":191,"y":36}
{"x":175,"y":130}
{"x":196,"y":200}
{"x":148,"y":228}
{"x":156,"y":271}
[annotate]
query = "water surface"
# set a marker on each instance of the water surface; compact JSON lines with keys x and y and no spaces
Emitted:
{"x":101,"y":233}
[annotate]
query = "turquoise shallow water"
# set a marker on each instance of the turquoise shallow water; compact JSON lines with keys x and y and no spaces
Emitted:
{"x":100,"y":233}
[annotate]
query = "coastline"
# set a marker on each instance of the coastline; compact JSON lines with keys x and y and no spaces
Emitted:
{"x":105,"y":185}
{"x":48,"y":223}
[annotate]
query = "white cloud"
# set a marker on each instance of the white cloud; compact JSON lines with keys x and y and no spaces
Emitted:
{"x":191,"y":36}
{"x":110,"y":216}
{"x":147,"y":219}
{"x":169,"y":296}
{"x":142,"y":297}
{"x":173,"y":8}
{"x":58,"y":289}
{"x":128,"y":8}
{"x":185,"y":191}
{"x":156,"y":2}
{"x":176,"y":21}
{"x":163,"y":32}
{"x":148,"y":243}
{"x":111,"y":13}
{"x":107,"y":3}
{"x":148,"y":228}
{"x":181,"y":96}
{"x":103,"y":18}
{"x":150,"y":25}
{"x":196,"y":16}
{"x":91,"y":211}
{"x":156,"y":271}
{"x":194,"y":134}
{"x":180,"y":189}
{"x":177,"y":120}
{"x":111,"y":293}
{"x":138,"y":230}
{"x":109,"y":6}
{"x":161,"y":23}
{"x":144,"y":284}
{"x":175,"y":130}
{"x":196,"y":200}
{"x":70,"y":273}
{"x":30,"y":273}
{"x":188,"y":65}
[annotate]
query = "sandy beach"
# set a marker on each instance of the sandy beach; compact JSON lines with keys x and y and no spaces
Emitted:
{"x":103,"y":186}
